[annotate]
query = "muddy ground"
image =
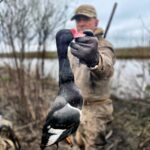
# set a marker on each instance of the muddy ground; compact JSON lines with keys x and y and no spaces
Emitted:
{"x":131,"y":125}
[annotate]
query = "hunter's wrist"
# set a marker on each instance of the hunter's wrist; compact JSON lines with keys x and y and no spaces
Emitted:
{"x":93,"y":64}
{"x":94,"y":68}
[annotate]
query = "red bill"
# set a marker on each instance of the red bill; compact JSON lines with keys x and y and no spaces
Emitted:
{"x":76,"y":34}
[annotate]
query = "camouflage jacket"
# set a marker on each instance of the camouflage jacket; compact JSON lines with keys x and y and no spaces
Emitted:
{"x":6,"y":144}
{"x":95,"y":84}
{"x":8,"y":139}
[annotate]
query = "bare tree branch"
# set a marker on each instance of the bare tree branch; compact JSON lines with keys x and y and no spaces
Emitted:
{"x":27,"y":23}
{"x":144,"y":25}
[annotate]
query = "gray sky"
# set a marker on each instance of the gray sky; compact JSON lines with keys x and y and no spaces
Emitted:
{"x":130,"y":25}
{"x":127,"y":27}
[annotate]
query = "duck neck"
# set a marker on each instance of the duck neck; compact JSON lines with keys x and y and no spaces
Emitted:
{"x":65,"y":72}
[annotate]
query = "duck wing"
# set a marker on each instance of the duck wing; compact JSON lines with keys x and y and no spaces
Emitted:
{"x":60,"y":124}
{"x":65,"y":117}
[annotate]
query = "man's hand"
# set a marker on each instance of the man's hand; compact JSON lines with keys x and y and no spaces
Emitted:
{"x":86,"y":49}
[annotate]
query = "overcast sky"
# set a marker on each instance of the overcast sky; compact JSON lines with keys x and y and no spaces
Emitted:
{"x":130,"y":26}
{"x":127,"y":26}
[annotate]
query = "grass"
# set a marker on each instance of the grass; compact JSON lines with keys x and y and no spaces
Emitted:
{"x":29,"y":55}
{"x":129,"y":53}
{"x":131,"y":127}
{"x":131,"y":124}
{"x":121,"y":53}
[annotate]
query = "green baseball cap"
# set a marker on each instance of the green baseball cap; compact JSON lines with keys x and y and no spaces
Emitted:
{"x":85,"y":10}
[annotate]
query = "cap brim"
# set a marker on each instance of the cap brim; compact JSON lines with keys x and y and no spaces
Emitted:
{"x":77,"y":15}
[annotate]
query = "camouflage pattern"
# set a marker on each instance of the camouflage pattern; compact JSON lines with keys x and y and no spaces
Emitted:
{"x":85,"y":10}
{"x":95,"y":88}
{"x":4,"y":122}
{"x":95,"y":84}
{"x":8,"y":140}
{"x":6,"y":144}
{"x":91,"y":133}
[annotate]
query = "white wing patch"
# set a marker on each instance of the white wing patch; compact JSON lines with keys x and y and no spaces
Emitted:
{"x":57,"y":132}
{"x":53,"y":138}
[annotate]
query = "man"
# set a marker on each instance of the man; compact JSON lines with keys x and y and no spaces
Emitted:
{"x":92,"y":62}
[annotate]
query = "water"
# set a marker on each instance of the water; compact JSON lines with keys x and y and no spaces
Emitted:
{"x":50,"y":66}
{"x":130,"y":81}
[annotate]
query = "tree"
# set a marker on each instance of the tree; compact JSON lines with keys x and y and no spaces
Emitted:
{"x":24,"y":23}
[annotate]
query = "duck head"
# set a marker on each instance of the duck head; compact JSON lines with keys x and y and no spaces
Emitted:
{"x":63,"y":39}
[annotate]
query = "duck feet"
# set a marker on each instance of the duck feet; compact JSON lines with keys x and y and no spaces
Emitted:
{"x":69,"y":140}
{"x":57,"y":146}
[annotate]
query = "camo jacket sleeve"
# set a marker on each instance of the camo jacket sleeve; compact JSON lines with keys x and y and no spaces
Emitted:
{"x":105,"y":67}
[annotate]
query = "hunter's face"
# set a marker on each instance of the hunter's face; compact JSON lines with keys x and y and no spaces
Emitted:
{"x":85,"y":23}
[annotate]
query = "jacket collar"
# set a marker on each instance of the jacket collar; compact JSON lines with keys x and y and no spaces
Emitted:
{"x":99,"y":32}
